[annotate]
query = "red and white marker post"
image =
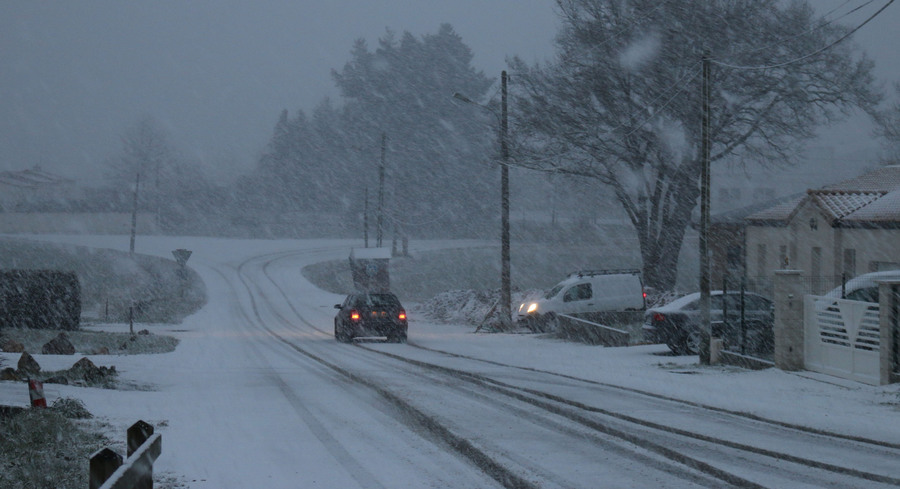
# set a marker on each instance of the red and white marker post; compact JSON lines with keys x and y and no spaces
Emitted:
{"x":36,"y":391}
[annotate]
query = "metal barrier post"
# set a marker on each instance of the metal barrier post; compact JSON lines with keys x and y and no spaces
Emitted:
{"x":889,"y":307}
{"x":789,"y":327}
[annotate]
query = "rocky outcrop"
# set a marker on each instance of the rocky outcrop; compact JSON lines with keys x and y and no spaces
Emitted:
{"x":59,"y":346}
{"x":9,"y":374}
{"x":10,"y":345}
{"x":28,"y":365}
{"x":85,"y":370}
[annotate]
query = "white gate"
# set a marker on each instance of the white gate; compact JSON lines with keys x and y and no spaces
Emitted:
{"x":842,"y":338}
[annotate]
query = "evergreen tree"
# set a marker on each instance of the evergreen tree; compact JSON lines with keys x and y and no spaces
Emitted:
{"x":439,"y":159}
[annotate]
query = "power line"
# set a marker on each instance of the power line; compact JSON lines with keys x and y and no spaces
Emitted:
{"x":683,"y":82}
{"x":807,"y":56}
{"x":782,"y":41}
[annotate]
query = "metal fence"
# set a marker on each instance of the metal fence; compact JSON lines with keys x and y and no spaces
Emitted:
{"x":764,"y":285}
{"x":755,"y":337}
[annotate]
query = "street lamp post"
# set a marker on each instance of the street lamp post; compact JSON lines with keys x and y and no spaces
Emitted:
{"x":505,"y":282}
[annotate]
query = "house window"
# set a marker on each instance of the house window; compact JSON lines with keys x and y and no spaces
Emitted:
{"x":815,"y":261}
{"x":734,"y":257}
{"x":783,"y":257}
{"x":761,"y":259}
{"x":815,"y":269}
{"x":850,"y":262}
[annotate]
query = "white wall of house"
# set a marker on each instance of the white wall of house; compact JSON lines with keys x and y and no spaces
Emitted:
{"x":874,"y":249}
{"x":813,"y":246}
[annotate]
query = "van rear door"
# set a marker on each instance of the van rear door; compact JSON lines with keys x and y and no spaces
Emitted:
{"x":618,"y":293}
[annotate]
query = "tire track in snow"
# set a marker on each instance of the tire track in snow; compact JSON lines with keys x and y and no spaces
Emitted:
{"x":362,"y":476}
{"x":458,"y":444}
{"x":533,"y":396}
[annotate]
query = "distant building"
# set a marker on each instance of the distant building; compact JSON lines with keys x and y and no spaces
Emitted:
{"x":20,"y":189}
{"x":37,"y":202}
{"x":847,"y":228}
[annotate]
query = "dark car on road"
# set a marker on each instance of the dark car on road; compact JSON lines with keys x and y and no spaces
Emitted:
{"x":677,"y":324}
{"x":370,"y":315}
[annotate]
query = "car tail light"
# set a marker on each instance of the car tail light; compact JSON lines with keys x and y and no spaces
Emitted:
{"x":402,"y":315}
{"x":354,"y":315}
{"x":659,"y":317}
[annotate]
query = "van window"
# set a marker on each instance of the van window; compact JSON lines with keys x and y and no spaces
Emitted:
{"x":579,"y":292}
{"x":552,"y":292}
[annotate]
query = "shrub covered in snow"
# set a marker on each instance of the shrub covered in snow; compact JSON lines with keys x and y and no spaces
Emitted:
{"x":44,"y":448}
{"x":473,"y":307}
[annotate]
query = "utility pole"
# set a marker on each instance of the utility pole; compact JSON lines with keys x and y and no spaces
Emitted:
{"x":366,"y":219}
{"x":137,"y":184}
{"x":505,"y":285}
{"x":380,"y":231}
{"x":705,"y":319}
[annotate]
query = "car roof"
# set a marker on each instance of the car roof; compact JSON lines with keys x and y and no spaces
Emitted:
{"x":577,"y":278}
{"x":865,"y":280}
{"x":687,"y":299}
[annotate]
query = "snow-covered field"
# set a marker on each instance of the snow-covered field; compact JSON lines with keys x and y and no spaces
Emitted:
{"x":227,"y":400}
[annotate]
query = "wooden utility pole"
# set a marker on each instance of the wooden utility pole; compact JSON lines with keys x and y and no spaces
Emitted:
{"x":705,"y":319}
{"x":366,"y":219}
{"x":137,"y":184}
{"x":505,"y":282}
{"x":380,"y":232}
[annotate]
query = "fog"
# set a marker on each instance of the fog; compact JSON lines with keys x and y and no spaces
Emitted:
{"x":216,"y":74}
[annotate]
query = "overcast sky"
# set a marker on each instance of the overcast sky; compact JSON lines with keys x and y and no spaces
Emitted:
{"x":75,"y":74}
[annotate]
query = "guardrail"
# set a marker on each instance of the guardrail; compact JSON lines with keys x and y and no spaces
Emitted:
{"x":591,"y":332}
{"x":109,"y":471}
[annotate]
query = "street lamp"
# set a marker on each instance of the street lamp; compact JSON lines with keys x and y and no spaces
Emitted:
{"x":505,"y":284}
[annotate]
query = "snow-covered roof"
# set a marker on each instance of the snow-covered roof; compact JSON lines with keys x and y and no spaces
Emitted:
{"x":884,"y":179}
{"x":778,"y":212}
{"x":884,"y":210}
{"x":838,"y":205}
{"x":870,"y":199}
{"x":737,"y":216}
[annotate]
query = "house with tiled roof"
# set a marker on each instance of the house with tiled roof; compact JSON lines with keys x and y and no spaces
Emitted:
{"x":37,"y":201}
{"x":844,"y":229}
{"x":19,"y":188}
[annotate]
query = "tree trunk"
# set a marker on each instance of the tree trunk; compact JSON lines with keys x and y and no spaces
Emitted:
{"x":661,"y":234}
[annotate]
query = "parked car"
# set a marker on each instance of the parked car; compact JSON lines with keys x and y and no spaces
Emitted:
{"x":677,"y":324}
{"x":583,"y":294}
{"x":864,"y":287}
{"x":371,"y":315}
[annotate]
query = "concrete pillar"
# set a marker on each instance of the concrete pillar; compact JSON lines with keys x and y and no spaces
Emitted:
{"x":889,"y":310}
{"x":789,"y":292}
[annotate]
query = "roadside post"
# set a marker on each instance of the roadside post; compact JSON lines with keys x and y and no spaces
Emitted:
{"x":181,"y":256}
{"x":36,"y":393}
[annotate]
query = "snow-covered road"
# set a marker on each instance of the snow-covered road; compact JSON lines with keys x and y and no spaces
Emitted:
{"x":259,"y":394}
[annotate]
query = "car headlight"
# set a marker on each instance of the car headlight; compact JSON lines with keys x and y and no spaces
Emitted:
{"x":533,"y":307}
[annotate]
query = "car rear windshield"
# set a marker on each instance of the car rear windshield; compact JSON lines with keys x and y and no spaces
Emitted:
{"x":379,"y":300}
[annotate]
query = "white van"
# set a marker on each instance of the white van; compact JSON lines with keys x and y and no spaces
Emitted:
{"x":587,"y":294}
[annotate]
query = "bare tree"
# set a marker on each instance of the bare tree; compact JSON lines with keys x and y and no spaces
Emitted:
{"x":888,"y":127}
{"x":146,"y":154}
{"x":621,"y":102}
